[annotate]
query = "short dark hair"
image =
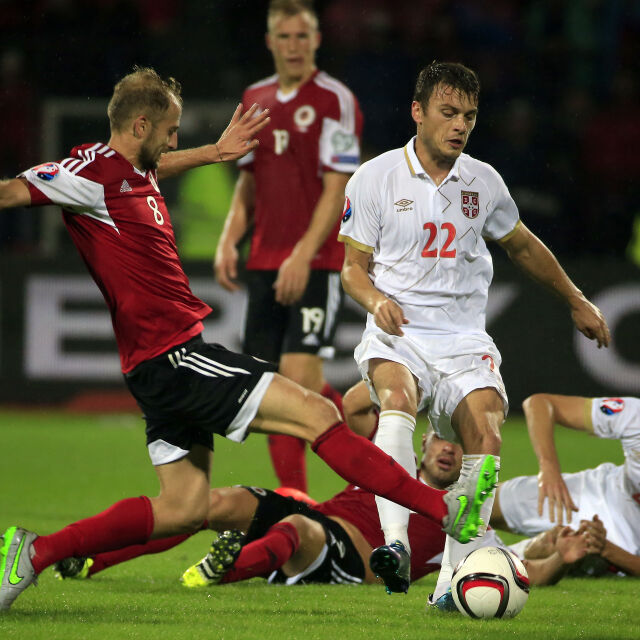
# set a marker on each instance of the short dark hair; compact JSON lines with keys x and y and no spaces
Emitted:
{"x":450,"y":74}
{"x":290,"y":8}
{"x":141,"y":90}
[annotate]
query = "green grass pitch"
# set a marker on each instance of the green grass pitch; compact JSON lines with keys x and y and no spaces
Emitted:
{"x":59,"y":467}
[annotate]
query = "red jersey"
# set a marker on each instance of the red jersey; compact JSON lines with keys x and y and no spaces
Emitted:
{"x":119,"y":223}
{"x":312,"y":130}
{"x":359,"y":508}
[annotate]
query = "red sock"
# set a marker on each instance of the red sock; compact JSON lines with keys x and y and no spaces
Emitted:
{"x":123,"y":524}
{"x":289,"y":463}
{"x":332,"y":394}
{"x":111,"y":558}
{"x":262,"y":556}
{"x":361,"y":463}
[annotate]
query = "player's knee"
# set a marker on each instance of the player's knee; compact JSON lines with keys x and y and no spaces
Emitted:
{"x":320,"y":415}
{"x":356,"y":400}
{"x":399,"y":399}
{"x":308,"y":530}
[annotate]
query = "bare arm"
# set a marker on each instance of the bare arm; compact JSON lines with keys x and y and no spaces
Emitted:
{"x":388,"y":315}
{"x":236,"y":141}
{"x":532,"y":256}
{"x":236,"y":226}
{"x":612,"y":553}
{"x":14,"y":193}
{"x":622,"y":559}
{"x":569,"y":547}
{"x":293,"y":275}
{"x":542,"y":412}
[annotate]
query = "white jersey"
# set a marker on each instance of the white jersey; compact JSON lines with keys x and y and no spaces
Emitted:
{"x":610,"y":491}
{"x":428,"y":242}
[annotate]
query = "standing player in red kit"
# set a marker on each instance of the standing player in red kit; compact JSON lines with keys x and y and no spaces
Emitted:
{"x":290,"y":191}
{"x":187,"y":389}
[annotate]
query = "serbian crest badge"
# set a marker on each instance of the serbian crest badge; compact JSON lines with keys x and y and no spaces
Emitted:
{"x":470,"y":203}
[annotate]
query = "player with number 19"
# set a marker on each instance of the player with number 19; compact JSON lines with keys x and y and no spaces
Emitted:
{"x":289,"y":194}
{"x":416,"y":224}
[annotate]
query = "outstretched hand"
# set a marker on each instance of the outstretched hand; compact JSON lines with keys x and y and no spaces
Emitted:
{"x":237,"y":139}
{"x":552,"y":487}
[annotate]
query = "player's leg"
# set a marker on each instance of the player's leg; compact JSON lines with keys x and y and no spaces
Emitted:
{"x":262,"y":510}
{"x":288,"y":453}
{"x":229,"y":508}
{"x":325,"y":553}
{"x":291,"y":545}
{"x":397,"y":391}
{"x":288,"y":408}
{"x":476,"y":420}
{"x":132,"y":521}
{"x":497,"y":517}
{"x":360,"y":413}
{"x":266,"y":323}
{"x":182,"y":505}
{"x":309,"y":330}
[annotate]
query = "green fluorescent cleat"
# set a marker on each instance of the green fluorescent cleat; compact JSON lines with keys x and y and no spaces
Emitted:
{"x":464,"y":499}
{"x":16,"y":570}
{"x":221,"y":557}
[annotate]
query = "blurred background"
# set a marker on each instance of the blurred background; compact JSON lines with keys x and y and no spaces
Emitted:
{"x":559,"y":119}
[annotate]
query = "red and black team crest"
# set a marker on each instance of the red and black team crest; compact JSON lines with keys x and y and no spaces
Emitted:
{"x":470,"y":203}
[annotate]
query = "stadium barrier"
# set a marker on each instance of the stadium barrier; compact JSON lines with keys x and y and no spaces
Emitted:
{"x":56,"y":339}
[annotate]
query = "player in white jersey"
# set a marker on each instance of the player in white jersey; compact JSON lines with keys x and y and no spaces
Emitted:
{"x":612,"y":492}
{"x":415,"y":224}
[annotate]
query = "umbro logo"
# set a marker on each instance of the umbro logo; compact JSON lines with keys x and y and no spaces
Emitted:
{"x":124,"y":187}
{"x":403,"y":205}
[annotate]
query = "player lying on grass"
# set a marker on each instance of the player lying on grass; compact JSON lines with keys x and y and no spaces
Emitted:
{"x":187,"y":389}
{"x":289,"y":541}
{"x":610,"y":491}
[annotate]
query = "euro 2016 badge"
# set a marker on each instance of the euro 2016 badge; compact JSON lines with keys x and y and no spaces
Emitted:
{"x":609,"y":406}
{"x":346,"y":212}
{"x":47,"y":171}
{"x":470,"y":203}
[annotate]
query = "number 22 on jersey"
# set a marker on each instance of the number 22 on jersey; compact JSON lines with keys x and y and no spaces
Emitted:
{"x":432,"y":231}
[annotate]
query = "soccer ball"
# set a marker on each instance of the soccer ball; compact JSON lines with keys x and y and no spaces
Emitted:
{"x":490,"y":583}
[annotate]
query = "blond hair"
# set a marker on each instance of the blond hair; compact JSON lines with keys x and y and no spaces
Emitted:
{"x":142,"y":91}
{"x":290,"y":8}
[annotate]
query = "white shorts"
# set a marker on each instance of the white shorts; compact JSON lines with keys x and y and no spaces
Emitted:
{"x":447,"y":366}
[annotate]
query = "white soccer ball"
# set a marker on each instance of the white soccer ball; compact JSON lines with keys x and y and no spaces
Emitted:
{"x":490,"y":583}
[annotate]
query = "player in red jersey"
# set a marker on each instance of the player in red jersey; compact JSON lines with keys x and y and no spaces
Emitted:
{"x":288,"y":541}
{"x":290,"y":193}
{"x":187,"y":389}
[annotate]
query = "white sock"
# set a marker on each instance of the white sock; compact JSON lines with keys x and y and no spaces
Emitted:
{"x":454,"y":551}
{"x":395,"y":438}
